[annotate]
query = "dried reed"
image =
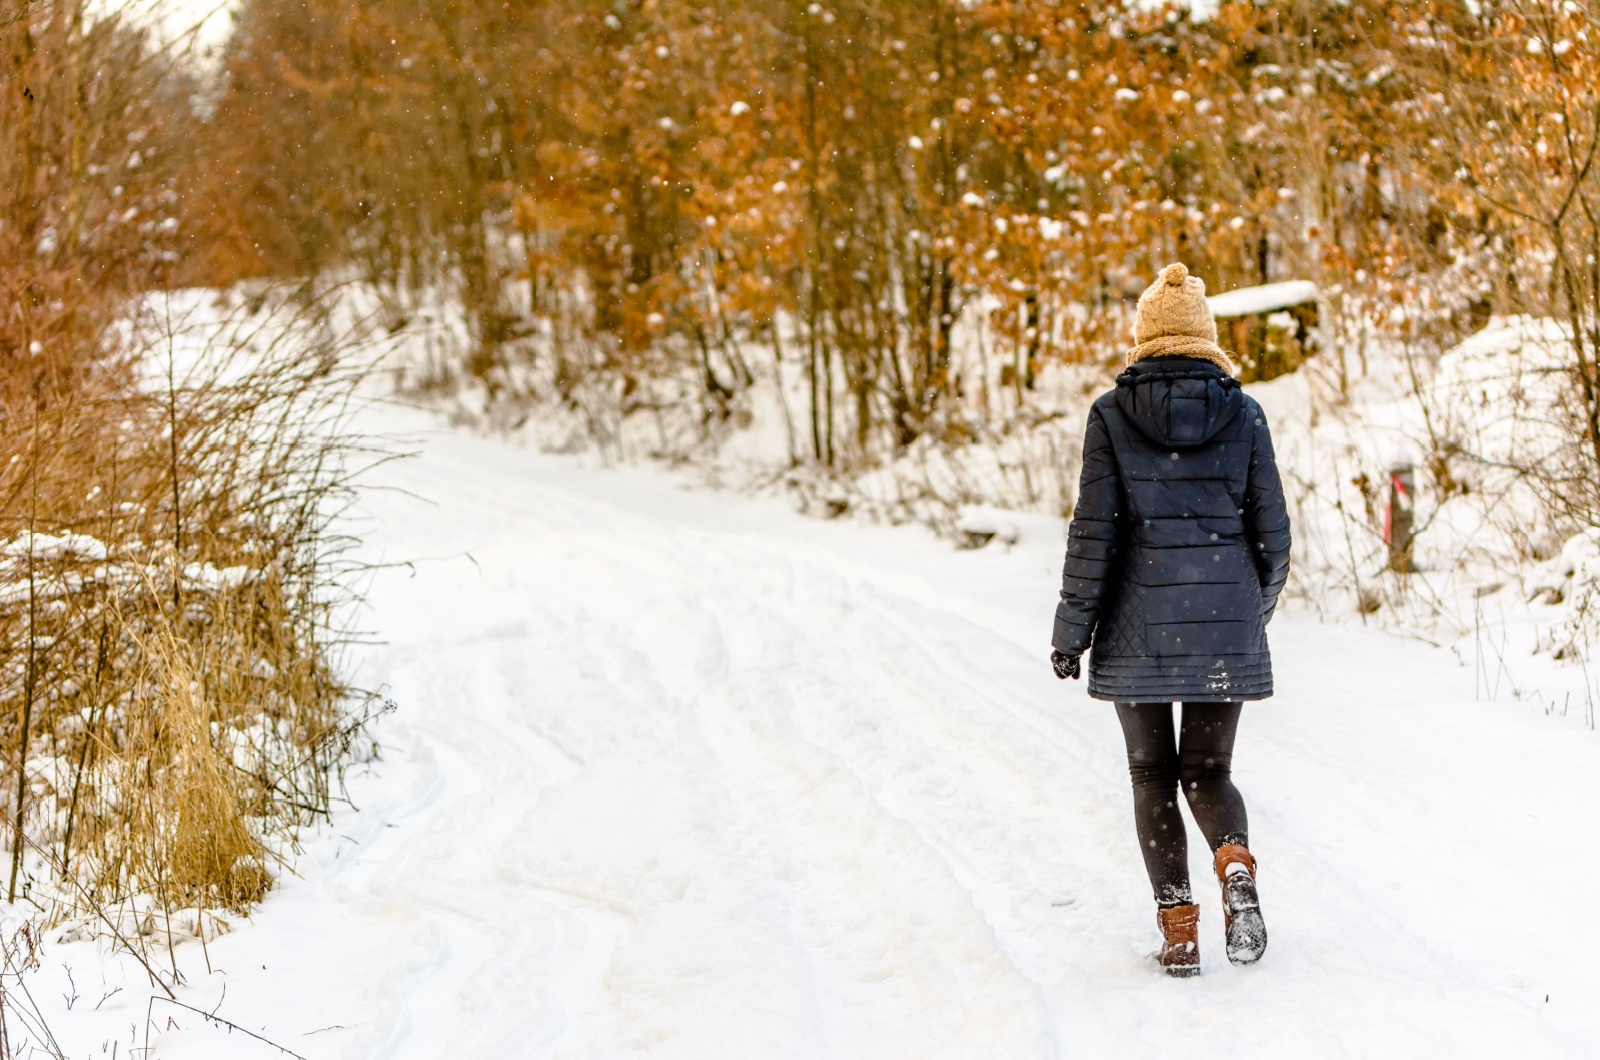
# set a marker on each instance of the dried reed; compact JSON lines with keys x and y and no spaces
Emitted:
{"x":172,"y":602}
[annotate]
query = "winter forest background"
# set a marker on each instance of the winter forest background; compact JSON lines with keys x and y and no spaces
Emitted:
{"x":876,"y":256}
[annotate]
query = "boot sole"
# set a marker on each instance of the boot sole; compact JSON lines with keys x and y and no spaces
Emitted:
{"x":1184,"y":971}
{"x":1247,"y":936}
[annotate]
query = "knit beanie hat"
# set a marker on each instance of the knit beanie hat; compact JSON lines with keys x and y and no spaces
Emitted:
{"x":1173,"y":320}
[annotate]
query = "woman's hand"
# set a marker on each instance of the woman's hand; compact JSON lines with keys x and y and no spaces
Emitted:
{"x":1066,"y":665}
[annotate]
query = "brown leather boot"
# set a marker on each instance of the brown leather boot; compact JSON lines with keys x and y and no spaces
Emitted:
{"x":1180,"y":940}
{"x":1246,"y":931}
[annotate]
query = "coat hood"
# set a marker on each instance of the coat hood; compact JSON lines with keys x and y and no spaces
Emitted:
{"x":1178,"y":402}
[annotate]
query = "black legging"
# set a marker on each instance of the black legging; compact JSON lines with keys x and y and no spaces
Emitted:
{"x":1200,"y":764}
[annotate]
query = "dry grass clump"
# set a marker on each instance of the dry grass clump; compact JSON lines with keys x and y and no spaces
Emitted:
{"x":178,"y":794}
{"x":170,"y":602}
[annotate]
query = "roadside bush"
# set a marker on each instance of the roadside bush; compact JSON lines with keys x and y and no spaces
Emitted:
{"x":169,"y":611}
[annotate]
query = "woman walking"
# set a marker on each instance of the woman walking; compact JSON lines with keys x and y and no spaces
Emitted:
{"x":1178,"y":549}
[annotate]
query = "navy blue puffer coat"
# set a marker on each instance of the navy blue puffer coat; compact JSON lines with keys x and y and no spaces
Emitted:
{"x":1180,"y":542}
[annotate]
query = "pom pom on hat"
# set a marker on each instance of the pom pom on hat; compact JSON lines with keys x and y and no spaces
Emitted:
{"x":1175,"y":274}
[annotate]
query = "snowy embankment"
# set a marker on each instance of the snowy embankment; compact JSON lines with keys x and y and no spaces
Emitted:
{"x":683,"y":774}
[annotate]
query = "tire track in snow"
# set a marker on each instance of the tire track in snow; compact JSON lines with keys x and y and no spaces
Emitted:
{"x":687,"y":776}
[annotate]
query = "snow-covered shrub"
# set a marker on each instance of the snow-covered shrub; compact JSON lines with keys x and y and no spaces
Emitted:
{"x":170,"y":601}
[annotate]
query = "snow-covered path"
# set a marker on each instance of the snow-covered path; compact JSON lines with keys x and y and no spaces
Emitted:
{"x":687,"y":775}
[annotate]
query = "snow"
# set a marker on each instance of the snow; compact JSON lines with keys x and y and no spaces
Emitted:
{"x":43,"y":547}
{"x":980,"y":523}
{"x":686,"y":774}
{"x":30,"y":565}
{"x":219,"y":579}
{"x":1248,"y":301}
{"x":1503,"y":389}
{"x":1480,"y":411}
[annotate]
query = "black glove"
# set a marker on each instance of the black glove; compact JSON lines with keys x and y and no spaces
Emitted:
{"x":1066,"y":665}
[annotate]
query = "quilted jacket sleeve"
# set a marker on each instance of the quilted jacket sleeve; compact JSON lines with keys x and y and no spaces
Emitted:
{"x":1266,"y":515}
{"x":1091,"y":541}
